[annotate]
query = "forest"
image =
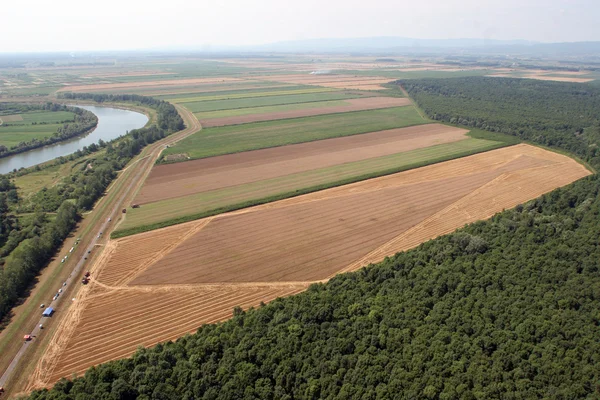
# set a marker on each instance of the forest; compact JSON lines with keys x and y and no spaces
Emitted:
{"x":501,"y":309}
{"x":84,"y":122}
{"x":29,"y":244}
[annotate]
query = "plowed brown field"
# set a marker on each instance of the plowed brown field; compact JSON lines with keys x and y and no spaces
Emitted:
{"x":159,"y":285}
{"x":197,"y":176}
{"x":369,"y":103}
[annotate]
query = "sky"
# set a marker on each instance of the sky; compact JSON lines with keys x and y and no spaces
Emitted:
{"x":75,"y":25}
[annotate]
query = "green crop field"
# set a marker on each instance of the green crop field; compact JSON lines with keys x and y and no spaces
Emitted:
{"x":250,"y":93}
{"x":217,"y":105}
{"x":172,"y":211}
{"x":13,"y":135}
{"x":224,"y":88}
{"x":49,"y":117}
{"x":233,"y":139}
{"x":270,"y":109}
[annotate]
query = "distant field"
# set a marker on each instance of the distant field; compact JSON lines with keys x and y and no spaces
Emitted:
{"x":250,"y":93}
{"x":37,"y":117}
{"x":194,"y":206}
{"x":232,"y":88}
{"x":232,"y":139}
{"x":271,"y":100}
{"x":13,"y":135}
{"x":196,"y":89}
{"x":350,"y":105}
{"x":268,"y":109}
{"x":20,"y":127}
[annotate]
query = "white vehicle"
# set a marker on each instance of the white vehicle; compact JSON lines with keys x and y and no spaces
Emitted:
{"x":41,"y":326}
{"x":42,"y":305}
{"x":72,"y":248}
{"x":62,"y":261}
{"x":59,"y":290}
{"x":64,"y":283}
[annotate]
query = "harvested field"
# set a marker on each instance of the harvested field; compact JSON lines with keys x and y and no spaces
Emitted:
{"x":370,"y":103}
{"x":159,"y":285}
{"x":177,"y":180}
{"x":307,"y":79}
{"x":134,"y":85}
{"x":544,"y":77}
{"x":112,"y":325}
{"x":313,"y":236}
{"x":367,"y":87}
{"x":194,"y":206}
{"x":560,"y":78}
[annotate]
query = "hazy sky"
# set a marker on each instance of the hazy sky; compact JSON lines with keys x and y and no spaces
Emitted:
{"x":49,"y":25}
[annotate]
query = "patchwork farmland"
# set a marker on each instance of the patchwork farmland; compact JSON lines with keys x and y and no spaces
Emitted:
{"x":194,"y":273}
{"x":296,"y":176}
{"x":177,"y":192}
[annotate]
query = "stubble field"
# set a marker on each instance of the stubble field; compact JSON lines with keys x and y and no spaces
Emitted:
{"x":160,"y":285}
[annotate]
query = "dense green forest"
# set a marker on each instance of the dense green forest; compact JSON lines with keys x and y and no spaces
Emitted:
{"x":502,"y":309}
{"x":30,"y":243}
{"x":84,"y":122}
{"x":561,"y":115}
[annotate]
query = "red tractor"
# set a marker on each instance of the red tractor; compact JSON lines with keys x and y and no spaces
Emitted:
{"x":87,"y":274}
{"x":85,"y":281}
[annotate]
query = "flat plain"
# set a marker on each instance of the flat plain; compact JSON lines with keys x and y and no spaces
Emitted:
{"x":233,"y":139}
{"x":361,"y":104}
{"x":170,"y":281}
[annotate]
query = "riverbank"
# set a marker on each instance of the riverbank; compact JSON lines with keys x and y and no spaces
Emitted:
{"x":113,"y":122}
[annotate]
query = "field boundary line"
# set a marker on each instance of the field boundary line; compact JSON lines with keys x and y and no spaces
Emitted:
{"x":135,"y":272}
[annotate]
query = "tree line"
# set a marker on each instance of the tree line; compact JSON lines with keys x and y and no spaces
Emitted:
{"x":32,"y":242}
{"x":501,"y":309}
{"x":84,"y":122}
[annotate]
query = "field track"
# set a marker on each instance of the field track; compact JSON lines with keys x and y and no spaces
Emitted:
{"x":369,"y":103}
{"x":162,"y":284}
{"x":196,"y":176}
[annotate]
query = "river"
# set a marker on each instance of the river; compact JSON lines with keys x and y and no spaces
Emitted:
{"x":112,"y":123}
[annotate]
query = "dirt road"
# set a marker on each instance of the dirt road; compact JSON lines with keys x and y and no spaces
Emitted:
{"x":103,"y":219}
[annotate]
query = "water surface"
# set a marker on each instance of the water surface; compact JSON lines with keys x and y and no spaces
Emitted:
{"x":112,"y":123}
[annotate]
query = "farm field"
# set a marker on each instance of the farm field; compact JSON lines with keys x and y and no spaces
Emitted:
{"x":188,"y":90}
{"x":244,"y":94}
{"x":233,"y":139}
{"x":336,"y":81}
{"x":28,"y":118}
{"x":17,"y":128}
{"x":302,"y":110}
{"x":271,"y":100}
{"x":13,"y":135}
{"x":193,"y":273}
{"x":187,"y":191}
{"x":107,"y":87}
